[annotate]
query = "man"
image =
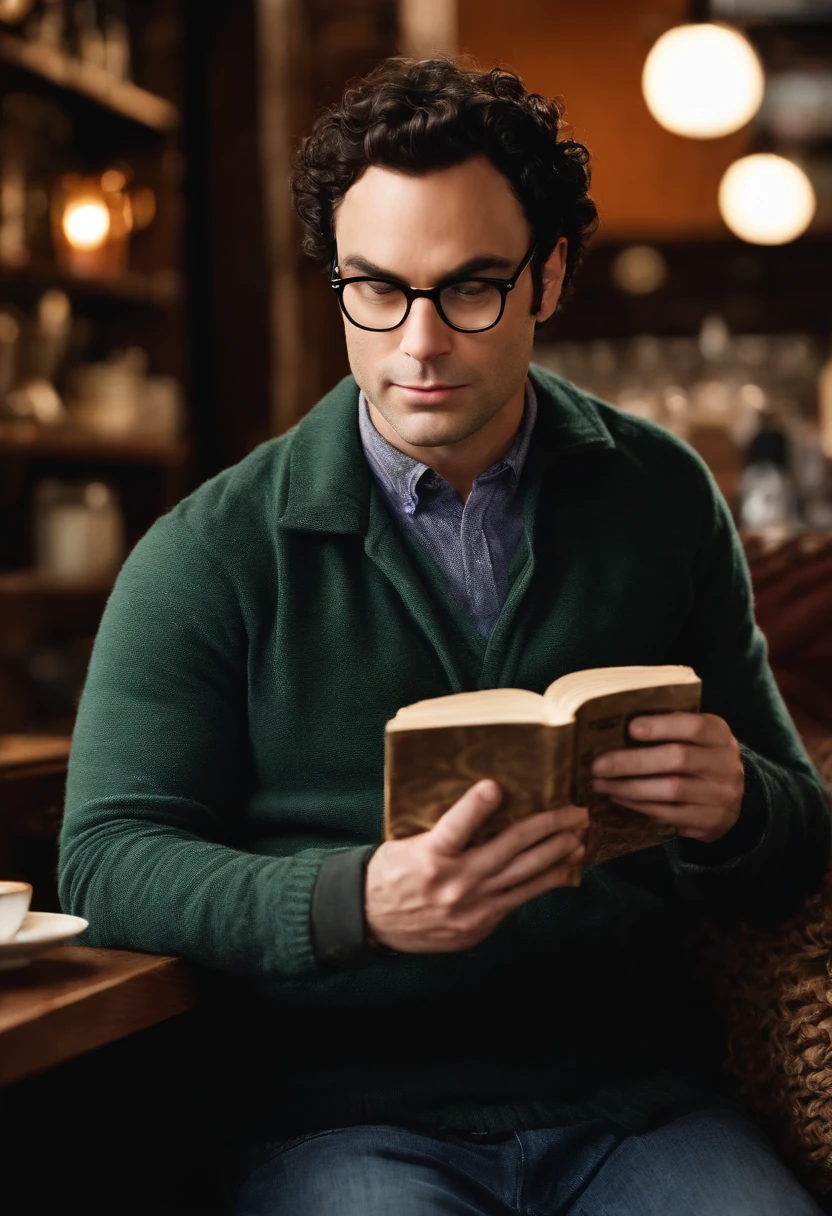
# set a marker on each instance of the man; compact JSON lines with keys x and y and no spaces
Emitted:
{"x":423,"y":1027}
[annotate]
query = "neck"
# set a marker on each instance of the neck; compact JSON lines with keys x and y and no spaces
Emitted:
{"x":460,"y":463}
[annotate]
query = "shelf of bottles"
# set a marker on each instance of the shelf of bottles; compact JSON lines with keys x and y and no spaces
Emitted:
{"x":758,"y":409}
{"x":81,"y":47}
{"x":89,"y":282}
{"x":93,"y":437}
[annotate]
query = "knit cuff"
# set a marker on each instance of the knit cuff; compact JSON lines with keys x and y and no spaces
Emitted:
{"x":337,"y":921}
{"x":292,"y":949}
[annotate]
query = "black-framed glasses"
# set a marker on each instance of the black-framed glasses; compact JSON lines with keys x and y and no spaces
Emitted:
{"x":468,"y":305}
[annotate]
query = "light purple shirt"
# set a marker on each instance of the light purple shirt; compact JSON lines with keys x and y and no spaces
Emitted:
{"x":472,"y":542}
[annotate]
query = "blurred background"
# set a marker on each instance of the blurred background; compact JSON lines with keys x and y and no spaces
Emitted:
{"x":158,"y":320}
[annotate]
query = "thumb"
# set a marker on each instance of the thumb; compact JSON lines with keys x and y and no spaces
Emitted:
{"x":453,"y":831}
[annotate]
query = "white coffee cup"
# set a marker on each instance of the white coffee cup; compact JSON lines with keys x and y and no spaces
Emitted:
{"x":15,"y":898}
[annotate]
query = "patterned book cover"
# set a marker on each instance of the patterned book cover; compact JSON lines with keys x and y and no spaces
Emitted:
{"x":537,"y":765}
{"x":602,"y":725}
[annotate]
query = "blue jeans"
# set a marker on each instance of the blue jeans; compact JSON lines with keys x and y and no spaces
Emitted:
{"x":711,"y":1162}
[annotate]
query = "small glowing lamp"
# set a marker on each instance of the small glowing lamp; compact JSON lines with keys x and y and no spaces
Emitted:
{"x":703,"y":80}
{"x":86,"y":224}
{"x":91,"y":223}
{"x":13,"y":11}
{"x":766,"y":199}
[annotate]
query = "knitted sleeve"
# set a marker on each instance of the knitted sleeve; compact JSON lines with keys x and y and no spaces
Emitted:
{"x":779,"y":849}
{"x":159,"y":771}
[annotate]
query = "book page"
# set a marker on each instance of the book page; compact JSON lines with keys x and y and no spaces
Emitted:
{"x":564,"y":697}
{"x":471,"y":709}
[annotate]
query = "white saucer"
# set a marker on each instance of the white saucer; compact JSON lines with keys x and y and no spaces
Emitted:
{"x":40,"y":931}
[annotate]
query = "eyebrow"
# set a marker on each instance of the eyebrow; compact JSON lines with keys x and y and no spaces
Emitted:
{"x":484,"y":261}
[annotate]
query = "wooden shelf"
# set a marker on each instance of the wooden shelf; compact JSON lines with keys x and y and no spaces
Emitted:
{"x":88,"y":81}
{"x":32,"y":440}
{"x":160,"y":290}
{"x":24,"y":584}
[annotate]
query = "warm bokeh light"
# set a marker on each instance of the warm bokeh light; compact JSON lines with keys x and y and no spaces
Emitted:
{"x":703,"y":80}
{"x":639,"y":270}
{"x":143,"y":204}
{"x":13,"y":11}
{"x":766,"y":199}
{"x":86,"y":224}
{"x":113,"y":180}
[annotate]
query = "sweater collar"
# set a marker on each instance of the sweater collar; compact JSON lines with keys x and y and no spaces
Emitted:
{"x":330,"y":482}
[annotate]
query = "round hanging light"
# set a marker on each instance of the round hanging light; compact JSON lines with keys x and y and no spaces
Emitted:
{"x":703,"y":80}
{"x":766,"y":199}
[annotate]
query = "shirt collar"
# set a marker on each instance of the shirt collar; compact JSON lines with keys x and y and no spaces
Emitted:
{"x":399,"y":474}
{"x":325,"y":482}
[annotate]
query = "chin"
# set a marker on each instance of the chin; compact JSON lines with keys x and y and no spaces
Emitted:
{"x":434,"y":437}
{"x":425,"y":428}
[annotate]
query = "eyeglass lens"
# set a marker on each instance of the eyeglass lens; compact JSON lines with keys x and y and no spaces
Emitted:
{"x":379,"y":305}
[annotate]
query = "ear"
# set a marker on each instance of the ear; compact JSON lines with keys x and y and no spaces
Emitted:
{"x":553,"y":272}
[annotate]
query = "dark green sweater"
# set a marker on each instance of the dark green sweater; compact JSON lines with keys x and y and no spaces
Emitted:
{"x":231,"y":736}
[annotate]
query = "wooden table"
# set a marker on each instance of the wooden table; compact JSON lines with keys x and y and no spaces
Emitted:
{"x":76,"y":998}
{"x":32,"y":755}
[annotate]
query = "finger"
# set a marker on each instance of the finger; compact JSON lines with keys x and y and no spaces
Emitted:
{"x":494,"y":855}
{"x":542,"y":857}
{"x":657,"y":758}
{"x":696,"y":822}
{"x":672,"y":789}
{"x":560,"y":875}
{"x":704,"y":729}
{"x":679,"y":814}
{"x":452,"y":832}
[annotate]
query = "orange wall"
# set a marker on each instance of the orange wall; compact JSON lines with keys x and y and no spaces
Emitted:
{"x":647,"y":182}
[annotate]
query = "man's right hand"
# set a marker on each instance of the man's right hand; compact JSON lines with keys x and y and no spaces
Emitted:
{"x":431,"y":894}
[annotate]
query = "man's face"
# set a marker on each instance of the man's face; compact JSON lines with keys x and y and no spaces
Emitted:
{"x":420,"y":230}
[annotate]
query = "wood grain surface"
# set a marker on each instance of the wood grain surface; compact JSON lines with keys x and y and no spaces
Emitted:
{"x":76,"y":998}
{"x":25,"y":755}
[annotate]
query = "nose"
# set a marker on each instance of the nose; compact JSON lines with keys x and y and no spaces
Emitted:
{"x":424,"y":334}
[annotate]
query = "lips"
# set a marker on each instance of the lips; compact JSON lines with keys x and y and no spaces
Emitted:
{"x":430,"y":388}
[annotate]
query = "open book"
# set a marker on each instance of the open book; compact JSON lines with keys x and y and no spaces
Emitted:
{"x":539,"y":749}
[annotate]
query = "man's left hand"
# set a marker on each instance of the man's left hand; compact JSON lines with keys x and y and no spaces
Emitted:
{"x":691,"y":775}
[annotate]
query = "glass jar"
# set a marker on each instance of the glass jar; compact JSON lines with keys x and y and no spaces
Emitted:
{"x":78,"y":530}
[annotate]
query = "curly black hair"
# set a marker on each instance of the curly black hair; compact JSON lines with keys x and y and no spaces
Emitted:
{"x":417,"y":115}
